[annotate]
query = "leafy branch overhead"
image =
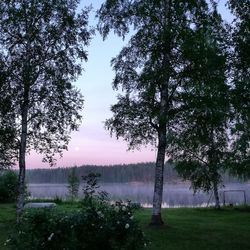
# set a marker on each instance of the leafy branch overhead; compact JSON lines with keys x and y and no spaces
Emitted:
{"x":42,"y":46}
{"x":174,"y":74}
{"x":240,"y":80}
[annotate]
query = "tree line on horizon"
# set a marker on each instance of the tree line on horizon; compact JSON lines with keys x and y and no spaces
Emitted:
{"x":139,"y":172}
{"x":183,"y":79}
{"x":120,"y":173}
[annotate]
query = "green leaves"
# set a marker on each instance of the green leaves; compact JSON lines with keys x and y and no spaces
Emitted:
{"x":73,"y":183}
{"x":173,"y":73}
{"x":40,"y":48}
{"x":240,"y":81}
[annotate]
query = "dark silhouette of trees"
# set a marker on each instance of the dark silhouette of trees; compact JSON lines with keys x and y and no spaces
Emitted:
{"x":7,"y":119}
{"x":8,"y":186}
{"x":41,"y":45}
{"x":140,"y":172}
{"x":153,"y":70}
{"x":240,"y":80}
{"x":200,"y":141}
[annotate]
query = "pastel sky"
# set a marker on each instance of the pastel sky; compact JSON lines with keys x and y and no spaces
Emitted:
{"x":92,"y":144}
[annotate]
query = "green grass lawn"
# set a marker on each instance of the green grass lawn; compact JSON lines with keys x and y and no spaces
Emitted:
{"x":7,"y":222}
{"x":185,"y":228}
{"x":201,"y":229}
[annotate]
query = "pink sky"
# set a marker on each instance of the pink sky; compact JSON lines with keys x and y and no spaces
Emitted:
{"x":92,"y":143}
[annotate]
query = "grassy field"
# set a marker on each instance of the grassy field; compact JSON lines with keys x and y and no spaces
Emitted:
{"x":7,"y":222}
{"x":185,"y":228}
{"x":206,"y":229}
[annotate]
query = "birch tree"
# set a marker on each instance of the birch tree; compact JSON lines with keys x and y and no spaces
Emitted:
{"x":152,"y":70}
{"x":240,"y":80}
{"x":201,"y":137}
{"x":41,"y":45}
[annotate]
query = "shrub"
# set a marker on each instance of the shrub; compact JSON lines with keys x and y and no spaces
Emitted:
{"x":8,"y":186}
{"x":96,"y":225}
{"x":73,"y":184}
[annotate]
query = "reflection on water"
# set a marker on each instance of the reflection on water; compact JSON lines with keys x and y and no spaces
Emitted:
{"x":174,"y":195}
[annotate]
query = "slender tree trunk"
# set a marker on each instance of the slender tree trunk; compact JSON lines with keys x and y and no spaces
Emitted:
{"x":216,"y":196}
{"x":22,"y":165}
{"x":156,"y":218}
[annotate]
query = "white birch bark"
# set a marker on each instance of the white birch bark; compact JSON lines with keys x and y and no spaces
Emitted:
{"x":156,"y":218}
{"x":22,"y":154}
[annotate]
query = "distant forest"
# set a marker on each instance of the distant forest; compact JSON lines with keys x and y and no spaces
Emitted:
{"x":140,"y":172}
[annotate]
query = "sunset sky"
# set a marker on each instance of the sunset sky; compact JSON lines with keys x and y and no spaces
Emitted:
{"x":92,"y":144}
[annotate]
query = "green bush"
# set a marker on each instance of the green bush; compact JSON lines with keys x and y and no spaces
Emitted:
{"x":96,"y":225}
{"x":8,"y":186}
{"x":73,"y":184}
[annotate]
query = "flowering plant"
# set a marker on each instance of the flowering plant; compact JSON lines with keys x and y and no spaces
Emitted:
{"x":96,"y":225}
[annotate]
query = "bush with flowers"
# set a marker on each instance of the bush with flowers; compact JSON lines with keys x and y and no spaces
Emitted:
{"x":97,"y":224}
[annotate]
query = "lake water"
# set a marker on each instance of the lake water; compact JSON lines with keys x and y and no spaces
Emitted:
{"x":174,"y":195}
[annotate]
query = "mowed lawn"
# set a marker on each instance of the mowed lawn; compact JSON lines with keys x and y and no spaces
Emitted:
{"x":185,"y":228}
{"x":199,"y":229}
{"x":7,"y":222}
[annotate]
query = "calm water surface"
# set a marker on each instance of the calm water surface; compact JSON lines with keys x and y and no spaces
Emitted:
{"x":174,"y":195}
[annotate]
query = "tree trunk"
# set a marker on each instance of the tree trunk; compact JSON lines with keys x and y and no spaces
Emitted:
{"x":216,"y":196}
{"x":156,"y":218}
{"x":22,"y":165}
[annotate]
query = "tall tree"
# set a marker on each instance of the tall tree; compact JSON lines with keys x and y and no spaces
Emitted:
{"x":152,"y":70}
{"x":40,"y":44}
{"x":201,"y":137}
{"x":240,"y":65}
